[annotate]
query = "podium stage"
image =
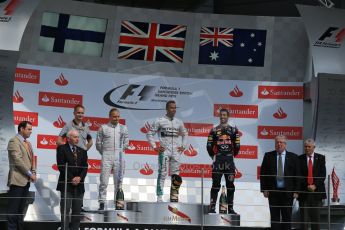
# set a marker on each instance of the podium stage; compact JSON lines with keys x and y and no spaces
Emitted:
{"x":163,"y":213}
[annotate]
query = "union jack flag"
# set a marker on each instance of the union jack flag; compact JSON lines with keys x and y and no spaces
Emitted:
{"x":152,"y":41}
{"x":216,"y":35}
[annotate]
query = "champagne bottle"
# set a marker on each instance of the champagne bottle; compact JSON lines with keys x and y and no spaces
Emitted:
{"x":120,"y":201}
{"x":223,"y":204}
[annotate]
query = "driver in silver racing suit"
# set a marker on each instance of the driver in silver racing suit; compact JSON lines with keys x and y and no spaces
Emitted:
{"x":172,"y":137}
{"x":112,"y":141}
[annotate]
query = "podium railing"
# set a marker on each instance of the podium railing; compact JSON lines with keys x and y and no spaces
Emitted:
{"x":46,"y":185}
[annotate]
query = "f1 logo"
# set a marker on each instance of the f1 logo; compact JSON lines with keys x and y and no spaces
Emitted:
{"x":331,"y":34}
{"x":141,"y":93}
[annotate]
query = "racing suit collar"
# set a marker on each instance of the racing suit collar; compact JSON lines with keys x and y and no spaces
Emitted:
{"x":169,"y":118}
{"x":111,"y":125}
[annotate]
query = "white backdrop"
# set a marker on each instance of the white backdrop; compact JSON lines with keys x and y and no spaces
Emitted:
{"x":261,"y":110}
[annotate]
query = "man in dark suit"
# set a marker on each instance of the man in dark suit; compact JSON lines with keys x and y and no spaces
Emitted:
{"x":22,"y":171}
{"x":313,"y":172}
{"x":72,"y":194}
{"x":279,"y":183}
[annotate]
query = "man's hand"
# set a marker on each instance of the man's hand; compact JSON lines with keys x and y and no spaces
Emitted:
{"x":266,"y":194}
{"x":33,"y":178}
{"x":311,"y":188}
{"x":76,"y":180}
{"x":89,"y":144}
{"x":159,"y":149}
{"x":180,"y":149}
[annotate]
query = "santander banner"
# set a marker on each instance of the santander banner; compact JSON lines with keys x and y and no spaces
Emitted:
{"x":280,"y":92}
{"x":20,"y":116}
{"x":240,"y":111}
{"x":140,"y":147}
{"x":59,"y":99}
{"x":260,"y":110}
{"x":248,"y":152}
{"x":270,"y":132}
{"x":27,"y":75}
{"x":46,"y":141}
{"x":198,"y":129}
{"x":94,"y":123}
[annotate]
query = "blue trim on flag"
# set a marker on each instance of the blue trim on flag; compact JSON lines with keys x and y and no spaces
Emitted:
{"x":62,"y":33}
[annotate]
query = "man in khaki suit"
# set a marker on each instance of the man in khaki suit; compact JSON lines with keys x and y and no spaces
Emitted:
{"x":22,"y":172}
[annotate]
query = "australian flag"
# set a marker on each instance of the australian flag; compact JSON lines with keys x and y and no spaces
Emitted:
{"x":230,"y":46}
{"x":152,"y":41}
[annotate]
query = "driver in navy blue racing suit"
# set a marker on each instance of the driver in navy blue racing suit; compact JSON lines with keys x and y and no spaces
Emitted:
{"x":223,"y":144}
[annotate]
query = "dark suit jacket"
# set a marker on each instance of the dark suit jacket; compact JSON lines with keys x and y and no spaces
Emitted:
{"x":319,"y":175}
{"x":64,"y":155}
{"x":268,"y":172}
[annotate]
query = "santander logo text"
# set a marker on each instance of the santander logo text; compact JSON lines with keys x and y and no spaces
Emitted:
{"x":27,"y":75}
{"x":46,"y":141}
{"x":59,"y":99}
{"x":248,"y":152}
{"x":190,"y":152}
{"x":280,"y":114}
{"x":59,"y":123}
{"x":198,"y":129}
{"x":94,"y":123}
{"x":280,"y":92}
{"x":195,"y":170}
{"x":270,"y":132}
{"x":141,"y":147}
{"x":146,"y":170}
{"x":240,"y":111}
{"x":20,"y":116}
{"x":236,"y":92}
{"x":61,"y":80}
{"x":17,"y":98}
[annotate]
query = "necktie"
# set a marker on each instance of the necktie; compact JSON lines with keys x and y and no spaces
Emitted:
{"x":280,"y":175}
{"x":31,"y":153}
{"x":75,"y":156}
{"x":310,"y":172}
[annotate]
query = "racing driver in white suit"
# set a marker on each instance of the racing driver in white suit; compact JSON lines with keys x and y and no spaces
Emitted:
{"x":112,"y":140}
{"x":173,"y":139}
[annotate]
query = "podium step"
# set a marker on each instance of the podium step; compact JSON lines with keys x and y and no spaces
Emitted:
{"x":162,"y":213}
